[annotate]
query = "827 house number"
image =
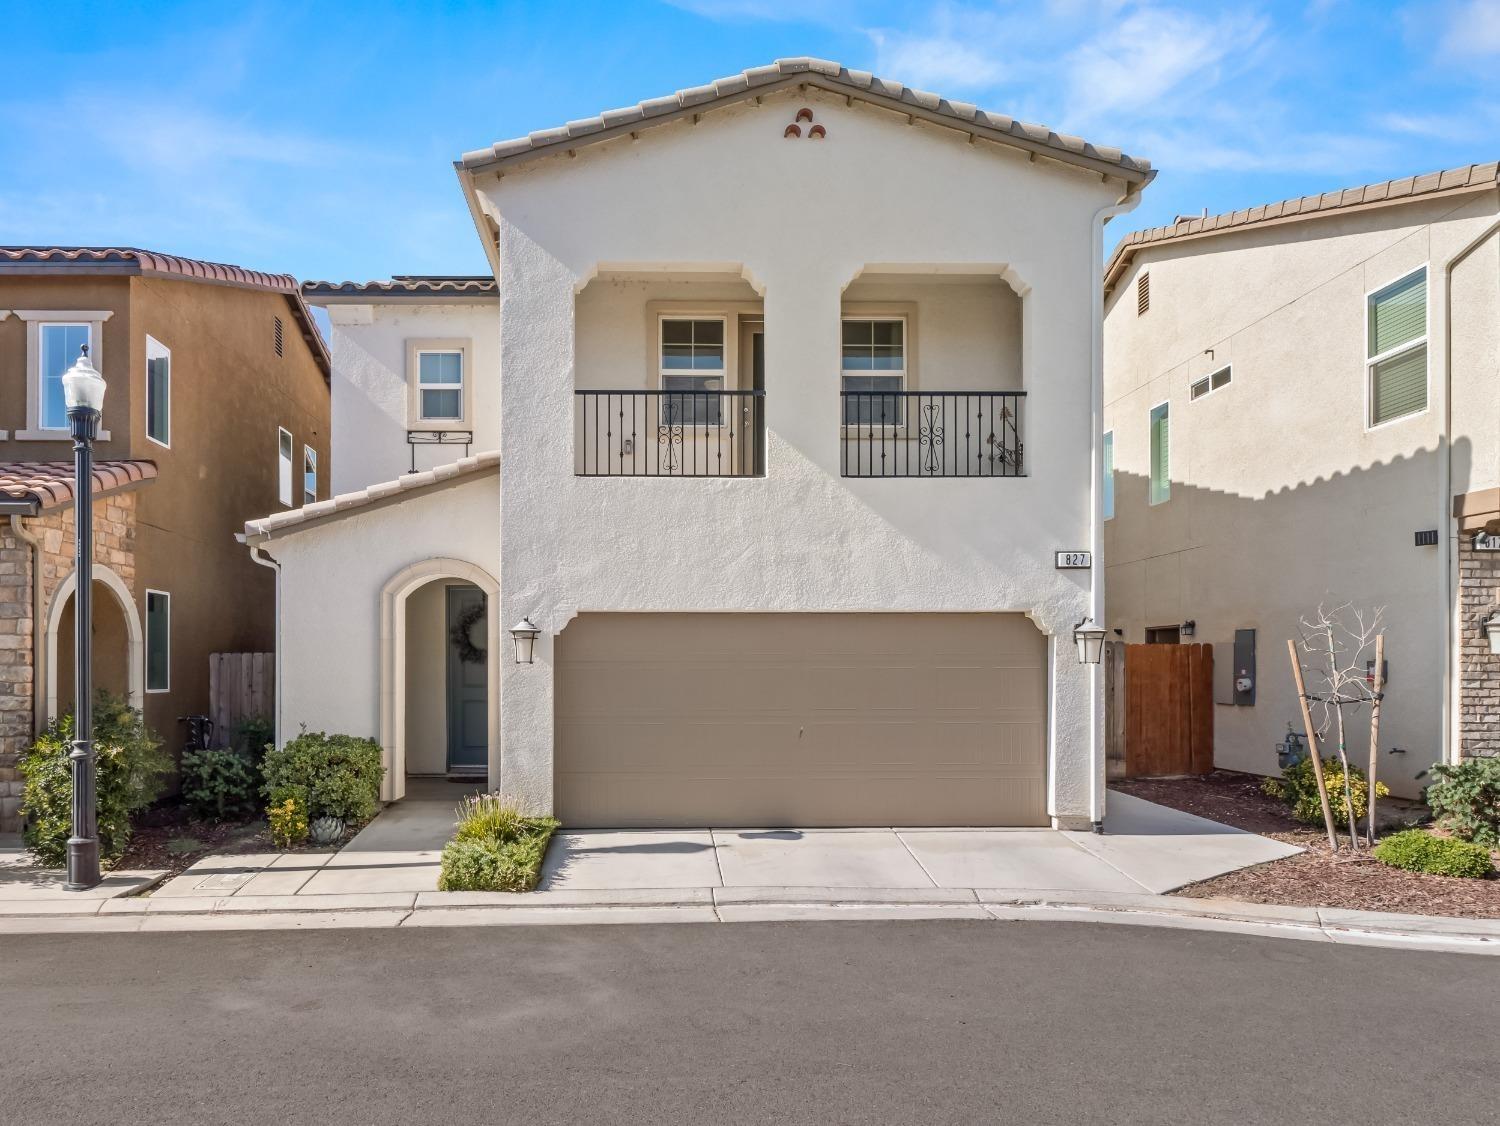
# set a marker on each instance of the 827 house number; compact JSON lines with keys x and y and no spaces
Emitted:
{"x":1070,"y":560}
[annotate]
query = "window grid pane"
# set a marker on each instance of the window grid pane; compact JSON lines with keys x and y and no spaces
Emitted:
{"x":689,"y":409}
{"x":1398,"y":385}
{"x":692,"y":345}
{"x":1398,"y":314}
{"x":874,"y":400}
{"x":158,"y":384}
{"x":874,"y":345}
{"x":60,"y":347}
{"x":442,"y":405}
{"x":443,"y":368}
{"x":1108,"y":491}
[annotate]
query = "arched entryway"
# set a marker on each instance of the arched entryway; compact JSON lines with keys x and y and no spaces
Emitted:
{"x":439,"y":639}
{"x":119,"y":646}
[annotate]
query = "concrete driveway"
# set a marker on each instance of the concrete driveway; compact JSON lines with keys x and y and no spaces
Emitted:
{"x":1146,"y":847}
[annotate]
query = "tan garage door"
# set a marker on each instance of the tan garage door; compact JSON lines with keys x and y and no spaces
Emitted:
{"x":801,"y":720}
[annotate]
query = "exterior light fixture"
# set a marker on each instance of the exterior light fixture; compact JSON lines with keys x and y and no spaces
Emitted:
{"x":1089,"y":636}
{"x":524,"y":633}
{"x":1189,"y":628}
{"x":1492,"y":629}
{"x":83,"y":392}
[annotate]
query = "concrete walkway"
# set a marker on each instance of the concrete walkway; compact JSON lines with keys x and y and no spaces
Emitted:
{"x":23,"y":882}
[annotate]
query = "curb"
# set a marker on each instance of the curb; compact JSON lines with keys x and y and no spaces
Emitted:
{"x":744,"y":904}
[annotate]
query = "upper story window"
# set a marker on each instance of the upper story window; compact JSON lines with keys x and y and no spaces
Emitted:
{"x":1210,"y":383}
{"x":692,"y":360}
{"x":158,"y":392}
{"x":309,"y":474}
{"x":1142,"y":294}
{"x":438,"y":377}
{"x":61,"y":343}
{"x":284,"y":466}
{"x":1161,"y":454}
{"x":158,"y":641}
{"x":1396,"y":348}
{"x":873,"y":369}
{"x":1107,"y":484}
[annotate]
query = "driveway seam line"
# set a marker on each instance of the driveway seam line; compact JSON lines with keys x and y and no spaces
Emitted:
{"x":713,"y":840}
{"x":1111,"y":865}
{"x":914,"y":857}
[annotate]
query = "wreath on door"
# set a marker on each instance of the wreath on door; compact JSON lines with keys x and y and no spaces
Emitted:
{"x":468,"y":652}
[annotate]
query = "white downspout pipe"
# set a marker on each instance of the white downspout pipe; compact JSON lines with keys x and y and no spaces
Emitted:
{"x":259,"y":556}
{"x":1126,"y":203}
{"x":1451,"y":747}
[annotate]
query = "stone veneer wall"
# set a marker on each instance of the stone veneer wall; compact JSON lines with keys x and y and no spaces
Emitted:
{"x":114,"y":547}
{"x":1479,"y":596}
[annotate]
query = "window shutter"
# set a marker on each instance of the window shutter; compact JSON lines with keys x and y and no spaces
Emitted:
{"x":1161,"y":459}
{"x":1398,"y":314}
{"x":1398,"y":385}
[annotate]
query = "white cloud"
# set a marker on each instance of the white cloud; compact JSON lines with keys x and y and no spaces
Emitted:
{"x":1473,"y":28}
{"x":937,"y":62}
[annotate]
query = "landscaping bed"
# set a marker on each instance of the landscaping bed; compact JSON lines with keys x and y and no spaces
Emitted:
{"x":1317,"y":877}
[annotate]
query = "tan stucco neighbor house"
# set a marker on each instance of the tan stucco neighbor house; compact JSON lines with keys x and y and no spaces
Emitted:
{"x":217,"y":409}
{"x":1302,"y":405}
{"x":779,"y":408}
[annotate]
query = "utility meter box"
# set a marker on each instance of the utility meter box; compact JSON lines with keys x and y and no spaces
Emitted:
{"x":1234,"y":670}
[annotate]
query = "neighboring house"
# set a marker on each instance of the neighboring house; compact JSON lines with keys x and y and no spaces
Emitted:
{"x":1299,"y":398}
{"x":217,"y":408}
{"x":794,"y":388}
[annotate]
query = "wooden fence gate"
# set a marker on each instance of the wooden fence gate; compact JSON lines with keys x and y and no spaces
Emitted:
{"x":241,"y":686}
{"x":1168,"y":709}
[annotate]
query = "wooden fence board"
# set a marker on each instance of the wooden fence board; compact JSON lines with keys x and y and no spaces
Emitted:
{"x":241,"y":686}
{"x":1169,"y":720}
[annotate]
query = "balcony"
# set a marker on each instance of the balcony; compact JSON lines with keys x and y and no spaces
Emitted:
{"x":669,"y":433}
{"x":933,"y":433}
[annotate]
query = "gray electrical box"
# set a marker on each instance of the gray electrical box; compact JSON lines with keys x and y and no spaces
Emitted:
{"x":1244,"y":667}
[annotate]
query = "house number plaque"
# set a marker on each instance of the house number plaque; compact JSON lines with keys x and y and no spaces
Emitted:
{"x":1484,"y":541}
{"x":1074,"y":560}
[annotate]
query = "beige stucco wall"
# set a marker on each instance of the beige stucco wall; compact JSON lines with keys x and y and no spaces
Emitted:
{"x":427,"y":680}
{"x":1281,"y":496}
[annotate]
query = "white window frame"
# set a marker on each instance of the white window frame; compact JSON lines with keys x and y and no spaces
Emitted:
{"x":35,"y":319}
{"x":146,"y":646}
{"x":1389,"y":353}
{"x":285,"y":465}
{"x":904,"y":374}
{"x":415,"y":350}
{"x":1151,"y":500}
{"x":1227,"y":370}
{"x":662,"y":371}
{"x":156,"y":350}
{"x":309,"y":457}
{"x":1107,"y":475}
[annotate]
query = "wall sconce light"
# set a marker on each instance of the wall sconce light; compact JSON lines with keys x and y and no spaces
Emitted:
{"x":524,"y":634}
{"x":1492,"y":629}
{"x":1088,"y":635}
{"x":1189,"y":628}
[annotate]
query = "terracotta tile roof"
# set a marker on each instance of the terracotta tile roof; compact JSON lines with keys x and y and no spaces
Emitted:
{"x":1470,"y":177}
{"x":257,"y":531}
{"x":406,"y":285}
{"x":49,"y":484}
{"x":825,"y":75}
{"x":130,"y":260}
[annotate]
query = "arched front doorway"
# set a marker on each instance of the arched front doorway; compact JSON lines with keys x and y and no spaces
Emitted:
{"x":119,"y":648}
{"x":439,"y":640}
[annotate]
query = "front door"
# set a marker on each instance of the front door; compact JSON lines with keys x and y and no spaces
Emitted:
{"x":468,"y":697}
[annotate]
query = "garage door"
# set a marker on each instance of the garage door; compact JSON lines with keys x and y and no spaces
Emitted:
{"x":800,"y":720}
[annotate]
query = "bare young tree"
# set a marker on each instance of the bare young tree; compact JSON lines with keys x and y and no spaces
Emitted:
{"x":1336,"y":642}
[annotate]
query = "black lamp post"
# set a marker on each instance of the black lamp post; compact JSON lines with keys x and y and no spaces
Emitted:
{"x":83,"y":391}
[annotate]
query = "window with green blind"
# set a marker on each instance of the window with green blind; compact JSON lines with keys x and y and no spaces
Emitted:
{"x":1161,"y":454}
{"x":1396,"y":348}
{"x":1108,"y":484}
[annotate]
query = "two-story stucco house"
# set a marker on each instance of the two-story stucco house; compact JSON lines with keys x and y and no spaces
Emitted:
{"x":782,"y":403}
{"x":1302,"y":406}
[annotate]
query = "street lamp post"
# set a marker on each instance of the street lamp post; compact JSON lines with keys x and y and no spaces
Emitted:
{"x":83,"y":391}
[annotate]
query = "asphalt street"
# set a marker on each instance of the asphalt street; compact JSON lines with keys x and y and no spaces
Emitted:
{"x":823,"y":1022}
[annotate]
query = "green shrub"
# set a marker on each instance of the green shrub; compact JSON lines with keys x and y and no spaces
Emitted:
{"x":495,"y":847}
{"x":331,"y":775}
{"x":253,"y":738}
{"x":219,"y":784}
{"x":130,"y":773}
{"x":1466,"y":799}
{"x":1417,"y":850}
{"x":1298,"y":787}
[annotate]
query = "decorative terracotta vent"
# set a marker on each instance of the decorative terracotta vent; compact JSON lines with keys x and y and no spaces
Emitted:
{"x":804,"y":114}
{"x":817,"y":131}
{"x":792,"y":131}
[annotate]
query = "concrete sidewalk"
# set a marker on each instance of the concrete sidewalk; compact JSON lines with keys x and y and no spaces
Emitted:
{"x":23,"y":881}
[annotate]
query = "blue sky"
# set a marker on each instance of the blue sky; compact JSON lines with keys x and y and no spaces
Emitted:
{"x":317,"y":139}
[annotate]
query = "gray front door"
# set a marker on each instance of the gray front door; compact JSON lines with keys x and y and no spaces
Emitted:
{"x":468,"y":702}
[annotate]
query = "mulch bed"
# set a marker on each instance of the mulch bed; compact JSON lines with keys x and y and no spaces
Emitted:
{"x":1318,"y":877}
{"x":165,"y":839}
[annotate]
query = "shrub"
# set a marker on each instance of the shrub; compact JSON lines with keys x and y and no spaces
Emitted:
{"x":1417,"y":850}
{"x":495,"y":847}
{"x":288,"y":817}
{"x":1298,"y":787}
{"x":253,"y":738}
{"x":219,"y":784}
{"x":130,"y":772}
{"x":331,"y":775}
{"x":1466,"y":799}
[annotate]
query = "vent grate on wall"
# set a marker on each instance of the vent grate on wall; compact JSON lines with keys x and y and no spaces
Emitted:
{"x":1142,"y":294}
{"x":280,"y":339}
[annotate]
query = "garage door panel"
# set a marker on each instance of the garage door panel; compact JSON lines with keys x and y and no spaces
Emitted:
{"x":800,"y":719}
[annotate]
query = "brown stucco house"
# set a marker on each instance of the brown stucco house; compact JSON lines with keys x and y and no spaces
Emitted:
{"x":217,"y":411}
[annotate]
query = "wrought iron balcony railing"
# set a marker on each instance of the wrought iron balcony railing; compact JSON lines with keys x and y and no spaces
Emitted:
{"x":669,"y":433}
{"x":933,"y":434}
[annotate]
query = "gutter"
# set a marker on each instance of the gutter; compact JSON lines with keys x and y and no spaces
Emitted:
{"x":38,"y":627}
{"x":258,"y":555}
{"x":1451,"y":748}
{"x":1128,"y":202}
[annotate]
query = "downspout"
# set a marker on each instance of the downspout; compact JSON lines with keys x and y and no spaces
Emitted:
{"x":1445,"y":469}
{"x":259,"y":556}
{"x":38,"y":625}
{"x":1127,"y":202}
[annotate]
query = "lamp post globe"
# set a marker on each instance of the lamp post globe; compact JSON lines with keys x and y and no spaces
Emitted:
{"x":83,"y":392}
